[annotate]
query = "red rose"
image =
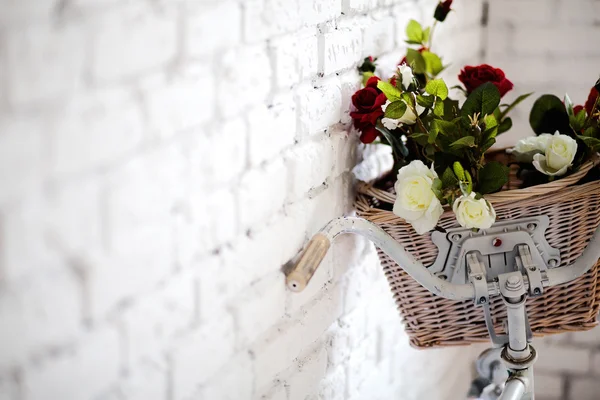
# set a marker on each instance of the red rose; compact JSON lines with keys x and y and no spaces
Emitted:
{"x":442,"y":10}
{"x":473,"y":77}
{"x":576,"y":109}
{"x":591,"y":100}
{"x":368,"y":102}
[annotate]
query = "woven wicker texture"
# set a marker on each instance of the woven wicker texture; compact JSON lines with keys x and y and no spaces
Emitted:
{"x":431,"y":321}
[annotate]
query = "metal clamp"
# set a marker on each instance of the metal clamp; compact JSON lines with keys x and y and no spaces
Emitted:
{"x":534,"y":274}
{"x":477,"y":279}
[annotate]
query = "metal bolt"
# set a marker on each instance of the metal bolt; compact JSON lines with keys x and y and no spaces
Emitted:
{"x":482,"y":300}
{"x":533,"y":269}
{"x":552,"y":263}
{"x":531,"y":226}
{"x":513,"y":282}
{"x":537,"y":291}
{"x":456,"y":237}
{"x":478,"y":277}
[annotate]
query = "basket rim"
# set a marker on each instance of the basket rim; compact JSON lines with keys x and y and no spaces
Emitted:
{"x":368,"y":188}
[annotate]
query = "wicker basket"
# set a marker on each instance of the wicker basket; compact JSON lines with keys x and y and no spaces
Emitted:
{"x":430,"y":321}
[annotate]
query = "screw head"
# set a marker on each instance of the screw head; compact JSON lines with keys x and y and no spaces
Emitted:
{"x":537,"y":291}
{"x":553,"y":263}
{"x":478,"y":277}
{"x":513,"y":282}
{"x":533,"y":269}
{"x":531,"y":226}
{"x":482,"y":300}
{"x":456,"y":237}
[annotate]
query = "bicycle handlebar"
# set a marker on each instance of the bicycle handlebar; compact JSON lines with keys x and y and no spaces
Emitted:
{"x":299,"y":276}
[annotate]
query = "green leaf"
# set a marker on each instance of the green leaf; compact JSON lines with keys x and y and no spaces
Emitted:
{"x":449,"y":180}
{"x":591,"y":132}
{"x":447,"y":128}
{"x":425,"y":101}
{"x":433,"y":63}
{"x":414,"y":31}
{"x":513,"y":105}
{"x":451,"y":109}
{"x":391,"y":92}
{"x":492,"y":177}
{"x":490,"y":121}
{"x":505,"y":125}
{"x":469,"y":187}
{"x":569,"y":106}
{"x":438,"y":108}
{"x":577,"y":121}
{"x":483,"y":100}
{"x":487,"y":143}
{"x":438,"y":88}
{"x":426,"y":34}
{"x":459,"y":171}
{"x":591,"y":142}
{"x":416,"y":61}
{"x":549,"y":115}
{"x":467,"y":141}
{"x":420,"y":138}
{"x":436,"y":188}
{"x":398,"y":148}
{"x":395,"y":109}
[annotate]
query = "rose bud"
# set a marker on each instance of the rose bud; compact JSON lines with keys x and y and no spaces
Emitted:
{"x":368,"y":65}
{"x":442,"y":10}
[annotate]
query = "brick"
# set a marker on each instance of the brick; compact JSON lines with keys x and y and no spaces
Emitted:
{"x":295,"y":57}
{"x":309,"y":165}
{"x":403,"y":13}
{"x":596,"y":363}
{"x":379,"y":35}
{"x":333,"y":386}
{"x":45,"y":63}
{"x":120,"y":44}
{"x":254,"y":204}
{"x":319,"y":107}
{"x":528,"y":12}
{"x":350,"y":83}
{"x":551,"y":41}
{"x":341,"y":49}
{"x":353,"y":6}
{"x":316,"y":11}
{"x":267,"y":18}
{"x":197,"y":356}
{"x":204,"y":20}
{"x":234,"y":382}
{"x":548,"y":386}
{"x":591,"y":337}
{"x":318,"y":283}
{"x":304,"y":383}
{"x":584,"y":13}
{"x":214,"y":218}
{"x":144,"y":381}
{"x":182,"y":101}
{"x":94,"y":365}
{"x":112,"y":123}
{"x":562,"y":359}
{"x":16,"y":13}
{"x":584,"y":389}
{"x":279,"y":350}
{"x":152,"y":322}
{"x":244,"y":79}
{"x":227,"y":157}
{"x":271,"y":129}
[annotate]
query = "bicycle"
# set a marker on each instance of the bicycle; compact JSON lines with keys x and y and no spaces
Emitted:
{"x":530,"y":266}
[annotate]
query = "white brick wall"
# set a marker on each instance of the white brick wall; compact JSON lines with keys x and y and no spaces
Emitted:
{"x":160,"y":162}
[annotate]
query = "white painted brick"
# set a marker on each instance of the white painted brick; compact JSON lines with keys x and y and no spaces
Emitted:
{"x":259,"y":307}
{"x":144,"y":381}
{"x":319,"y":107}
{"x":295,"y":57}
{"x":234,"y":382}
{"x":204,"y":21}
{"x":93,"y":367}
{"x":333,"y":386}
{"x":214,"y":218}
{"x":582,"y":13}
{"x":180,"y":101}
{"x":353,"y":6}
{"x":591,"y":338}
{"x":267,"y":18}
{"x":379,"y":35}
{"x":154,"y":320}
{"x":317,"y":11}
{"x":548,"y":386}
{"x":309,"y":165}
{"x":262,"y":192}
{"x":271,"y":129}
{"x":244,"y":79}
{"x":341,"y":48}
{"x":227,"y":157}
{"x":304,"y":383}
{"x":404,"y":12}
{"x":112,"y":123}
{"x":584,"y":389}
{"x":350,"y":83}
{"x":527,"y":12}
{"x":344,"y":145}
{"x":16,"y":12}
{"x":38,"y":313}
{"x":21,"y":155}
{"x":197,"y":356}
{"x":45,"y":63}
{"x":552,"y":358}
{"x":134,"y":40}
{"x":552,"y":41}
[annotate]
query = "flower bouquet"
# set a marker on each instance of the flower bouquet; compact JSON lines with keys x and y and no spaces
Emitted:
{"x":445,"y":176}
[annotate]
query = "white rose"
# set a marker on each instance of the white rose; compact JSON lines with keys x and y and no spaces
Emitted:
{"x":406,"y":74}
{"x":525,"y":148}
{"x":472,"y":213}
{"x":415,"y":200}
{"x":558,"y":157}
{"x":408,"y":118}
